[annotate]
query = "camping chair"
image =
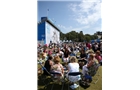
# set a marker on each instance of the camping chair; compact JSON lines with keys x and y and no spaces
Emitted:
{"x":94,"y":71}
{"x":97,"y":73}
{"x":53,"y":79}
{"x":43,"y":68}
{"x":74,"y":74}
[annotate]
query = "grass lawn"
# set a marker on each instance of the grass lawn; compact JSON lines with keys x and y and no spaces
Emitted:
{"x":97,"y":86}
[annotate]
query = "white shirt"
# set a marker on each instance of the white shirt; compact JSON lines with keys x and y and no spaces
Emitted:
{"x":60,"y":52}
{"x":73,"y":67}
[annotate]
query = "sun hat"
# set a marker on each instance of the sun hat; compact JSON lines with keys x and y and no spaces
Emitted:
{"x":89,"y":51}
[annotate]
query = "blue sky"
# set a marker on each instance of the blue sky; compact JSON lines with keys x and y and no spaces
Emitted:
{"x":84,"y":15}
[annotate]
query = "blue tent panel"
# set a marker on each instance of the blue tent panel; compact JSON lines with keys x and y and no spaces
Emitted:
{"x":98,"y":40}
{"x":92,"y":41}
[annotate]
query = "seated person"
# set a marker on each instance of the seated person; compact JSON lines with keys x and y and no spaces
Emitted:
{"x":57,"y":67}
{"x":82,"y":60}
{"x":89,"y":52}
{"x":73,"y":66}
{"x":42,"y":58}
{"x":59,"y":53}
{"x":49,"y":52}
{"x":48,"y":64}
{"x":83,"y":55}
{"x":77,"y":53}
{"x":72,"y":53}
{"x":98,"y":57}
{"x":90,"y":62}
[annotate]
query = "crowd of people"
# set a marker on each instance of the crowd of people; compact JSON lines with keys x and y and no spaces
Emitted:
{"x":69,"y":57}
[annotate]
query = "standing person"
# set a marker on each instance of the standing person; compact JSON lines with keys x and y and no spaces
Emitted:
{"x":93,"y":46}
{"x":96,"y":46}
{"x":85,"y":48}
{"x":101,"y":47}
{"x":88,"y":45}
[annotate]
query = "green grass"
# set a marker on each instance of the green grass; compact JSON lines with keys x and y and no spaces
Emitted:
{"x":97,"y":86}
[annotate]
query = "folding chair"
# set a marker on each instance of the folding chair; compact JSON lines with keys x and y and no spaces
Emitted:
{"x":97,"y":73}
{"x":42,"y":78}
{"x":52,"y":74}
{"x":55,"y":80}
{"x":74,"y":74}
{"x":94,"y":71}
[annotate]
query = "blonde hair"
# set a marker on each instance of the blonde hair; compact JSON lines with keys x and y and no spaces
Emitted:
{"x":56,"y":59}
{"x":92,"y":55}
{"x":73,"y":59}
{"x":91,"y":52}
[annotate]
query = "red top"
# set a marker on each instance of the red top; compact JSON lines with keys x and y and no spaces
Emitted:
{"x":99,"y":58}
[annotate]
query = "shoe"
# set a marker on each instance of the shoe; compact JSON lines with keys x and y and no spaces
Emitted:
{"x":75,"y":85}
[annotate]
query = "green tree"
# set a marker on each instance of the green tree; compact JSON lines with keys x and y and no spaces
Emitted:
{"x":78,"y":37}
{"x":87,"y":38}
{"x":81,"y":36}
{"x":95,"y":36}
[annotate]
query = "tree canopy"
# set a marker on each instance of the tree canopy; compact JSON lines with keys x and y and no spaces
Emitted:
{"x":79,"y":37}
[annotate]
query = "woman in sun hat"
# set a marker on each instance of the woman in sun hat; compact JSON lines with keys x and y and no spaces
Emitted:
{"x":90,"y":62}
{"x":89,"y":52}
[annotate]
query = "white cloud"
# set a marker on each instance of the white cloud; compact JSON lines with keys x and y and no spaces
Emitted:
{"x":70,"y":28}
{"x":92,"y":30}
{"x":87,"y":29}
{"x":97,"y":29}
{"x":58,"y":25}
{"x":65,"y":29}
{"x":87,"y":12}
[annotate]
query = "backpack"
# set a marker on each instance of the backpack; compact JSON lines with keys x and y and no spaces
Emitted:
{"x":85,"y":81}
